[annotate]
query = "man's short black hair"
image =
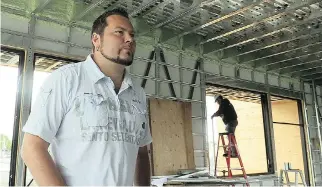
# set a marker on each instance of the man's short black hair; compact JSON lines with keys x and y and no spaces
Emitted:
{"x":219,"y":97}
{"x":100,"y":23}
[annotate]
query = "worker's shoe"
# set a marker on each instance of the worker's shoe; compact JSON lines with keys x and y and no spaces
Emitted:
{"x":232,"y":155}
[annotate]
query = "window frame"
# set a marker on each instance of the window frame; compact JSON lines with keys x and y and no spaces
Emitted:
{"x":267,"y":123}
{"x":16,"y":127}
{"x":303,"y":133}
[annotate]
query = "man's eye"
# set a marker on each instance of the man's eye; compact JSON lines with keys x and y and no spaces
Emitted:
{"x":119,"y":32}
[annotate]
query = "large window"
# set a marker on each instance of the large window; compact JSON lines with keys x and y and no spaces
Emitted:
{"x":250,"y":132}
{"x":10,"y":66}
{"x":250,"y":137}
{"x":288,"y":135}
{"x":44,"y":65}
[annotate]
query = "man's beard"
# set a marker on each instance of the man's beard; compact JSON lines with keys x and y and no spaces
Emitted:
{"x":117,"y":60}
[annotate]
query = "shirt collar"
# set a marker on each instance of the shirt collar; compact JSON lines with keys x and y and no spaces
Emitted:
{"x":96,"y":74}
{"x":127,"y":78}
{"x":93,"y":70}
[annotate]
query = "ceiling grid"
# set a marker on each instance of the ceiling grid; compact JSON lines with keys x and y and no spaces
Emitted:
{"x":281,"y":36}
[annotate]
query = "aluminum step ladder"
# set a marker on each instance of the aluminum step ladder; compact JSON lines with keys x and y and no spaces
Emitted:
{"x":297,"y":173}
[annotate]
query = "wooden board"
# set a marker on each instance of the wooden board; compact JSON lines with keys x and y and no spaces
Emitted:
{"x":171,"y":128}
{"x":288,"y":139}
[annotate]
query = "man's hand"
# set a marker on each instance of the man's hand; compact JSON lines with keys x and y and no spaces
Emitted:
{"x":142,"y":173}
{"x":35,"y":154}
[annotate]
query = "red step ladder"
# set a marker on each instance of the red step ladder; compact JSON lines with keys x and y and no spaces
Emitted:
{"x":231,"y":143}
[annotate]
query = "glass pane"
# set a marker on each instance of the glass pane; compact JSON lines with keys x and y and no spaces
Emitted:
{"x":289,"y":146}
{"x":8,"y":85}
{"x":43,"y":68}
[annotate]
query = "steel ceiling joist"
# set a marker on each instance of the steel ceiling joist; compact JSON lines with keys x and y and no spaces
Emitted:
{"x":285,"y":38}
{"x":318,"y":79}
{"x":23,"y":13}
{"x":41,"y":7}
{"x":297,"y":72}
{"x":305,"y":52}
{"x":190,"y":10}
{"x":310,"y":74}
{"x":87,"y":10}
{"x":303,"y":45}
{"x":193,"y":8}
{"x":115,"y":4}
{"x":223,"y":16}
{"x":269,"y":30}
{"x":313,"y":73}
{"x":14,"y":10}
{"x":288,"y":66}
{"x":267,"y":17}
{"x":150,"y":7}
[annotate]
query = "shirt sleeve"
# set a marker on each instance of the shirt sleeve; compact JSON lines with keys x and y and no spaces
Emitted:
{"x":147,"y":138}
{"x":220,"y":110}
{"x":49,"y":107}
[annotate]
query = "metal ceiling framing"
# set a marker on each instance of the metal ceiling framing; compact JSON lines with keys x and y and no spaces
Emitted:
{"x":270,"y":40}
{"x":269,"y":31}
{"x":281,"y":36}
{"x":312,"y":43}
{"x":297,"y":68}
{"x":268,"y":17}
{"x":289,"y":64}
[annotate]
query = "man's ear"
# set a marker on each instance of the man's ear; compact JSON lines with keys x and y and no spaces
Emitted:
{"x":96,"y":40}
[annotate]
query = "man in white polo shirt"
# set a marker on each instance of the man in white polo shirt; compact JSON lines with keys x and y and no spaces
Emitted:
{"x":92,"y":116}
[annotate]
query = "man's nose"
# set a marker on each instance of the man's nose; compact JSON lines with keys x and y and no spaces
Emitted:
{"x":129,"y":38}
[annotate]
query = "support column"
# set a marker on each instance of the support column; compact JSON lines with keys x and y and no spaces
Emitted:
{"x":180,"y":69}
{"x":157,"y":71}
{"x":203,"y":108}
{"x":27,"y":84}
{"x":269,"y":129}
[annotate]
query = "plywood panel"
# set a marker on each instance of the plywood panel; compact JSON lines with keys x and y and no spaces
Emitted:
{"x":288,"y":138}
{"x":285,"y":111}
{"x":171,"y":129}
{"x":288,"y":147}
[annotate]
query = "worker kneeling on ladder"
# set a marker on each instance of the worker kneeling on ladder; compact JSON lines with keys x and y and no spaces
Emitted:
{"x":229,"y":116}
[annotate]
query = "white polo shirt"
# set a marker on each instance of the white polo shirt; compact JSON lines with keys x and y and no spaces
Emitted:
{"x":94,"y":133}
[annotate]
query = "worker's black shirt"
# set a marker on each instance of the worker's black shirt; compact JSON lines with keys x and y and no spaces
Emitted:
{"x":226,"y":111}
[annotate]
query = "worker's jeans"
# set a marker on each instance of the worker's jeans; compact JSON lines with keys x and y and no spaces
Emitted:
{"x":230,"y":128}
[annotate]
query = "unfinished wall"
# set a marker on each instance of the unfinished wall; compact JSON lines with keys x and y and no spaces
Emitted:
{"x":172,"y":136}
{"x":288,"y":138}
